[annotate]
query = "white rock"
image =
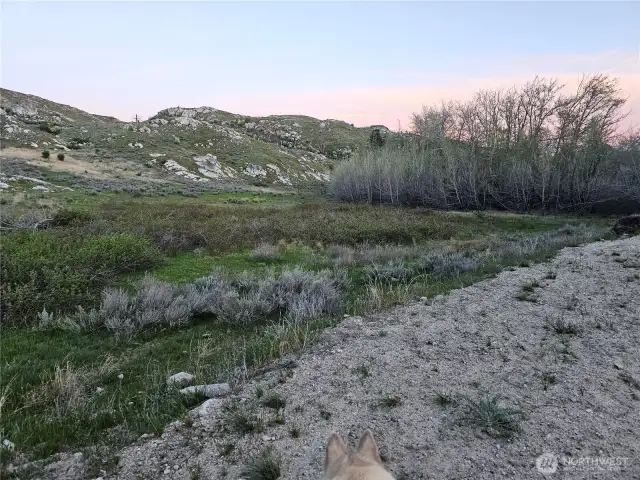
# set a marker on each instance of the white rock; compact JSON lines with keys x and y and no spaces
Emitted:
{"x":25,"y":110}
{"x":120,"y":376}
{"x":180,"y":379}
{"x":99,"y":390}
{"x":34,"y":145}
{"x":210,"y":166}
{"x":4,"y":185}
{"x":177,"y":169}
{"x":210,"y":391}
{"x":255,"y":170}
{"x":8,"y":445}
{"x":207,"y":412}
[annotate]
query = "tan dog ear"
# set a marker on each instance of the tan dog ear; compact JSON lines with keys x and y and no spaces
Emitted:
{"x":368,"y":447}
{"x":336,"y":449}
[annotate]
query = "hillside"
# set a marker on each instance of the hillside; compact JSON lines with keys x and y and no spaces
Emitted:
{"x":198,"y":144}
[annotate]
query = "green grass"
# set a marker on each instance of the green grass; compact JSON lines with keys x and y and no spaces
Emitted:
{"x":186,"y":267}
{"x":265,"y":466}
{"x":178,"y":224}
{"x":41,"y":417}
{"x":58,"y":270}
{"x":30,"y":358}
{"x":492,"y":418}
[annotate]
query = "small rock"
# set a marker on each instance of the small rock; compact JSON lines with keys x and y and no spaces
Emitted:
{"x":8,"y":445}
{"x":99,"y":390}
{"x":209,"y":391}
{"x":120,"y":376}
{"x":180,"y":379}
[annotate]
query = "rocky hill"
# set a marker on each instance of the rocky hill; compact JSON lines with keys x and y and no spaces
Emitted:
{"x":197,"y":144}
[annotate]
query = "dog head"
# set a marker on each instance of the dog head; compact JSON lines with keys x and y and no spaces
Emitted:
{"x":363,"y":464}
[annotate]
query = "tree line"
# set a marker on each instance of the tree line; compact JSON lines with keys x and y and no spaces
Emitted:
{"x":529,"y":148}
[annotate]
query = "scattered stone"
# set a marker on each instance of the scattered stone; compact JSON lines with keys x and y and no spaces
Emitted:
{"x":255,"y":170}
{"x":180,"y":379}
{"x":210,"y":391}
{"x":8,"y":445}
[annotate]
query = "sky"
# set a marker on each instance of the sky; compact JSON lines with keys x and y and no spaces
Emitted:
{"x":366,"y":62}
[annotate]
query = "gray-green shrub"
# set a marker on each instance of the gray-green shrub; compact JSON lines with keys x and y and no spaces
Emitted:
{"x":295,"y":294}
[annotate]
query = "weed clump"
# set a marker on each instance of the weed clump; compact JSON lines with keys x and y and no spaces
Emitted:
{"x":265,"y":466}
{"x":265,"y":252}
{"x":491,"y":417}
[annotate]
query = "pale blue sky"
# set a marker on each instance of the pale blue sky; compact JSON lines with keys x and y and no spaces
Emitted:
{"x":119,"y":58}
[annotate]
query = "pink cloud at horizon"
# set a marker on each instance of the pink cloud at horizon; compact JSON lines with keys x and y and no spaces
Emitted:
{"x":368,"y":105}
{"x":393,"y":105}
{"x":389,"y":106}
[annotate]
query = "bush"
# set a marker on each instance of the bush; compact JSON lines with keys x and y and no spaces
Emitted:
{"x":61,"y":157}
{"x":448,"y":264}
{"x":265,"y":252}
{"x":265,"y":466}
{"x":46,"y":154}
{"x":45,"y":127}
{"x":69,"y":217}
{"x":394,"y":271}
{"x":60,"y":270}
{"x":296,"y":294}
{"x":450,"y":162}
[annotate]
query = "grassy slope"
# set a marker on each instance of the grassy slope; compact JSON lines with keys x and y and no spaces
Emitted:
{"x":223,"y":135}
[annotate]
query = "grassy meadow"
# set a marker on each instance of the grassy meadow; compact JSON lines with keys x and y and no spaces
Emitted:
{"x":122,"y":291}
